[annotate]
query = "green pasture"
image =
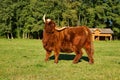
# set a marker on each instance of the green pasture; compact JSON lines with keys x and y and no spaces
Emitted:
{"x":23,"y":59}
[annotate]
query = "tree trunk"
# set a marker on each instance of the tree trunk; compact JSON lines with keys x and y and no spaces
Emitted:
{"x":24,"y":35}
{"x":18,"y":33}
{"x":78,"y":22}
{"x":38,"y":35}
{"x":11,"y":35}
{"x":28,"y":35}
{"x":68,"y":22}
{"x":8,"y":36}
{"x":58,"y":21}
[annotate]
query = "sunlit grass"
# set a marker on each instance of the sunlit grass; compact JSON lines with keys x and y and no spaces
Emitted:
{"x":23,"y":59}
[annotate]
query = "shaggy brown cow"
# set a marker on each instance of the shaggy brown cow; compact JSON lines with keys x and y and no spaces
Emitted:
{"x":71,"y":39}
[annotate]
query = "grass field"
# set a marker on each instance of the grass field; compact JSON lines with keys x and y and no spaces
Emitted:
{"x":22,"y":59}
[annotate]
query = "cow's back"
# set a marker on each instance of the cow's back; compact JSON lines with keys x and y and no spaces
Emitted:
{"x":72,"y":36}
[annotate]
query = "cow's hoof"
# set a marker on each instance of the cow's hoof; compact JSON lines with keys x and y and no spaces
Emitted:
{"x":91,"y":62}
{"x":55,"y":62}
{"x":46,"y":60}
{"x":75,"y":62}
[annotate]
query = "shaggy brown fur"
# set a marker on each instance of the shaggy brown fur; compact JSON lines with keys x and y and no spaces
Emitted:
{"x":71,"y":39}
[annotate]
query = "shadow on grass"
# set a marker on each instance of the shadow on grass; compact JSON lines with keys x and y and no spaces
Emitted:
{"x":69,"y":57}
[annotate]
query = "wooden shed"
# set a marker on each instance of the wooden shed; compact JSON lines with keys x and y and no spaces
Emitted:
{"x":101,"y":34}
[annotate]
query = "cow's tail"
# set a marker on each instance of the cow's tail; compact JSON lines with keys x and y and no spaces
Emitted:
{"x":89,"y":40}
{"x":92,"y":47}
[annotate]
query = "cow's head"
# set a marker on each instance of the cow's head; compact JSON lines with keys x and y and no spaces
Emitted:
{"x":49,"y":25}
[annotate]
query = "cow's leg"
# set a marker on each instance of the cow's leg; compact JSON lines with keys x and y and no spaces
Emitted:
{"x":78,"y":56}
{"x":56,"y":53}
{"x":90,"y":51}
{"x":48,"y":53}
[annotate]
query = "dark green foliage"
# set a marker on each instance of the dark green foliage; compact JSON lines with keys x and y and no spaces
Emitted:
{"x":23,"y":18}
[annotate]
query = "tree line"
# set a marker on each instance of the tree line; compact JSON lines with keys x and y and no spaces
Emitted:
{"x":23,"y":18}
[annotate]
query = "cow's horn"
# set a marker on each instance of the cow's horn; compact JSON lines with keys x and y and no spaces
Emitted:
{"x":44,"y":17}
{"x":60,"y":29}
